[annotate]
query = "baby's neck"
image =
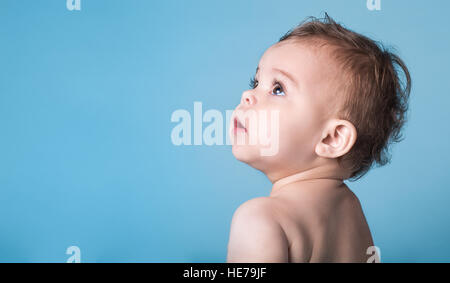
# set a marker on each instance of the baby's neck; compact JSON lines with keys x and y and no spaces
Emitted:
{"x":330,"y":171}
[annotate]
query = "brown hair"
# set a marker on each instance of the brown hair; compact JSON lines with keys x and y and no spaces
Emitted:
{"x":376,"y":98}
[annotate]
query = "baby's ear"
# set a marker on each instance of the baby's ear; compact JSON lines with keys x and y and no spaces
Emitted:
{"x":337,"y":139}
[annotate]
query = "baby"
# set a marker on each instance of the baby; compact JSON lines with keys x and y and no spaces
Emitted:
{"x":339,"y":99}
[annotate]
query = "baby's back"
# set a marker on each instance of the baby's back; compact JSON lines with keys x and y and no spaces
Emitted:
{"x":323,"y":223}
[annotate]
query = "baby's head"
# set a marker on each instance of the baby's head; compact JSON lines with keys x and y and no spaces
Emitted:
{"x":338,"y":98}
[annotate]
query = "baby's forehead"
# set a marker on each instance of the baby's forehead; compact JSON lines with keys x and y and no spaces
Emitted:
{"x":307,"y":62}
{"x":297,"y":56}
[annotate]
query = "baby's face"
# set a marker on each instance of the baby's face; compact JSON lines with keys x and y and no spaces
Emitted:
{"x":296,"y":81}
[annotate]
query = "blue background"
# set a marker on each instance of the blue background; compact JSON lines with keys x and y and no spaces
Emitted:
{"x":85,"y":104}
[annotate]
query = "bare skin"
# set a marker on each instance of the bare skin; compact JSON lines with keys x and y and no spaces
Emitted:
{"x":306,"y":218}
{"x":310,"y":215}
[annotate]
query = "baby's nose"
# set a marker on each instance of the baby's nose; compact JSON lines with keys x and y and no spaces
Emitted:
{"x":248,"y":98}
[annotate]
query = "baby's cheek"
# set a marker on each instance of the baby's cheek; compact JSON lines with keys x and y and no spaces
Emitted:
{"x":295,"y":131}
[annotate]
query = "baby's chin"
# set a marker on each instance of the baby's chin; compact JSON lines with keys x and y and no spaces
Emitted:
{"x":251,"y":155}
{"x":246,"y":153}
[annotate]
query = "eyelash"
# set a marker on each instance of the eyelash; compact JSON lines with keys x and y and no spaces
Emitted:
{"x":254,"y":84}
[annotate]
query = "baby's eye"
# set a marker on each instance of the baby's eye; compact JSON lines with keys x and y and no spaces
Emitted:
{"x":253,"y":83}
{"x":278,"y":90}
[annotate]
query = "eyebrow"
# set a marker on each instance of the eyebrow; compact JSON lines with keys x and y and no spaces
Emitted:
{"x":284,"y":73}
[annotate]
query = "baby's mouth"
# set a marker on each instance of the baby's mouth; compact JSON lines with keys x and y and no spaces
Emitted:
{"x":238,"y":127}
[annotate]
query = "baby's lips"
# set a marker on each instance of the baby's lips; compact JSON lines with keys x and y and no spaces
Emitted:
{"x":236,"y":120}
{"x":236,"y":125}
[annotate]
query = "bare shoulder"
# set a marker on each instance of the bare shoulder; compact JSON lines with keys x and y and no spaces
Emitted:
{"x":255,"y":234}
{"x":259,"y":212}
{"x":260,"y":207}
